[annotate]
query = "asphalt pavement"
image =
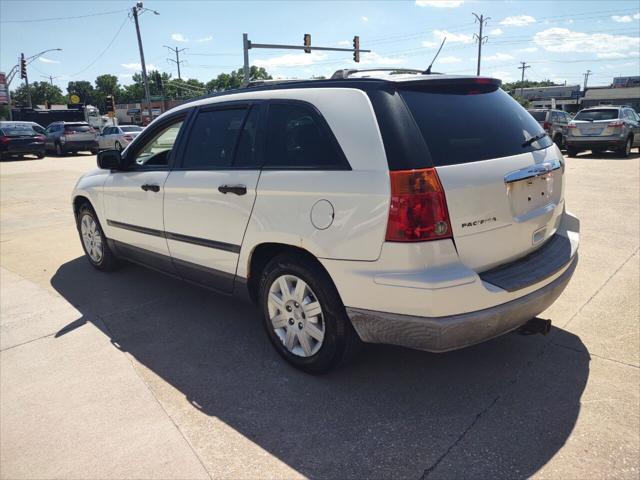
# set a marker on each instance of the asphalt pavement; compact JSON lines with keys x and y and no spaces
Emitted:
{"x":137,"y":375}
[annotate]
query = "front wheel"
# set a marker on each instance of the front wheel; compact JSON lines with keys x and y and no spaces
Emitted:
{"x":94,"y":241}
{"x":59,"y":151}
{"x":304,"y":316}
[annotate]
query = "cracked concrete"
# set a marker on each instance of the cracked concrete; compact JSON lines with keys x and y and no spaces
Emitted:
{"x":135,"y":375}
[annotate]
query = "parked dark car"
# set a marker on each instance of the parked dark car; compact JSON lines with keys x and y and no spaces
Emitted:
{"x":71,"y":137}
{"x":18,"y":139}
{"x":554,"y":122}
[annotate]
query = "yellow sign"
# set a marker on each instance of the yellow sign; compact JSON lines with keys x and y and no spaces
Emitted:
{"x":110,"y":114}
{"x":74,"y":98}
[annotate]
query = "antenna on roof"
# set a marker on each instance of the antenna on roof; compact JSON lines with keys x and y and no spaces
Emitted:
{"x":428,"y":70}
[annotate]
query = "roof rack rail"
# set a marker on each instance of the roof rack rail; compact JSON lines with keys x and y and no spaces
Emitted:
{"x":259,"y":83}
{"x":347,"y":72}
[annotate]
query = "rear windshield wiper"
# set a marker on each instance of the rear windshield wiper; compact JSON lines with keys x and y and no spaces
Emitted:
{"x":540,"y":136}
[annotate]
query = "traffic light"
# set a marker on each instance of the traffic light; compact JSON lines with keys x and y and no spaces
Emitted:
{"x":356,"y":49}
{"x":158,"y":80}
{"x":23,"y":67}
{"x":110,"y":103}
{"x":307,"y":43}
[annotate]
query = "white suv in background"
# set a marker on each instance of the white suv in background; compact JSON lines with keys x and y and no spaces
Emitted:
{"x":418,"y":210}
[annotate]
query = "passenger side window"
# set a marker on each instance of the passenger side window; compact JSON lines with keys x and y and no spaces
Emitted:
{"x":213,"y":139}
{"x":297,"y":138}
{"x":156,"y":151}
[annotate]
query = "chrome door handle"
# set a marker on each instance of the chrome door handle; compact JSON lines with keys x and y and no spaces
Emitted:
{"x":150,"y":187}
{"x":237,"y":189}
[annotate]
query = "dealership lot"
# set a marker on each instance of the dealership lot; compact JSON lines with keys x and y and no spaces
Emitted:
{"x":134,"y":374}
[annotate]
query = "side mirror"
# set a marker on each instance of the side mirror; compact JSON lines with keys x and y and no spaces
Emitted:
{"x":110,"y":160}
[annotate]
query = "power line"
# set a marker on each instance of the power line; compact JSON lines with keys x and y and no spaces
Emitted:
{"x":34,"y":20}
{"x":103,"y":51}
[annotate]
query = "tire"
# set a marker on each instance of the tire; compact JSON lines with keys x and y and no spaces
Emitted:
{"x":625,"y":150}
{"x":59,"y":151}
{"x":572,"y":152}
{"x":596,"y":151}
{"x":118,"y":147}
{"x":558,"y":141}
{"x":106,"y":260}
{"x":40,"y":155}
{"x":94,"y":151}
{"x":329,"y":337}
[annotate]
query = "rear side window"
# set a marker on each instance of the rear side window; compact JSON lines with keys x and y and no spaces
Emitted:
{"x":298,"y":138}
{"x":213,"y":138}
{"x":597,"y":114}
{"x":539,"y":115}
{"x":460,"y":125}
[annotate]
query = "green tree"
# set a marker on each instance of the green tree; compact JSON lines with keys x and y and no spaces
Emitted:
{"x":40,"y":91}
{"x":106,"y":85}
{"x":84,"y":90}
{"x":229,"y":81}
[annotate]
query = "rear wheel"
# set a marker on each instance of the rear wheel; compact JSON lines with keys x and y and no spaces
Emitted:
{"x":626,"y":148}
{"x":40,"y":155}
{"x":304,"y":316}
{"x":557,"y":139}
{"x":94,"y":241}
{"x":572,"y":152}
{"x":59,"y":151}
{"x":118,"y":146}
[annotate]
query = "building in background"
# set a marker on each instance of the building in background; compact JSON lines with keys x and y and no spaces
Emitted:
{"x":562,"y":97}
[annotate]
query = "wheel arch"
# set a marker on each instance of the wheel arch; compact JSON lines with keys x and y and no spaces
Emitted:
{"x":262,"y":253}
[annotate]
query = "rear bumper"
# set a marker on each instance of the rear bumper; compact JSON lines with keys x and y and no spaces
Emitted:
{"x":79,"y":145}
{"x":441,"y":334}
{"x":33,"y":148}
{"x":588,"y":143}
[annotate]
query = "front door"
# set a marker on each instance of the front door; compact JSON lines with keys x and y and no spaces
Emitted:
{"x":133,"y":199}
{"x":209,"y":195}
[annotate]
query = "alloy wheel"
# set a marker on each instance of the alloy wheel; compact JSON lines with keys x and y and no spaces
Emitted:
{"x":91,"y":238}
{"x":296,"y":315}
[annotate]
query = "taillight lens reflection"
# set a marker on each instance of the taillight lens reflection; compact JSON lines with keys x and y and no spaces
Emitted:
{"x":418,"y":210}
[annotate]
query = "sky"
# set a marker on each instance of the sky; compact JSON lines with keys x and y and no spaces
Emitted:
{"x":560,"y":40}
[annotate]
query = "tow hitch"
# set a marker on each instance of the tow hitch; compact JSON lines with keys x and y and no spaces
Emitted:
{"x":535,"y":325}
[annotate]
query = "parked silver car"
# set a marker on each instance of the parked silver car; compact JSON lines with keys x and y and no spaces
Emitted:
{"x":118,"y":137}
{"x":604,"y":128}
{"x":70,"y":137}
{"x":554,"y":122}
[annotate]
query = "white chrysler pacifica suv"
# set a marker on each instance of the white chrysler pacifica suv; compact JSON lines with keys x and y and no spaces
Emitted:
{"x":418,"y":210}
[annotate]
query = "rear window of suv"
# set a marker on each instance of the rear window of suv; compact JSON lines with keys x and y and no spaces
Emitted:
{"x":469,"y":123}
{"x":77,"y":128}
{"x":597,"y":114}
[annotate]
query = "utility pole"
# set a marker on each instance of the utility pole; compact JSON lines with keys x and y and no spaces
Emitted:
{"x":177,"y":61}
{"x":586,"y":79}
{"x":134,"y":12}
{"x":523,"y":68}
{"x":479,"y":38}
{"x":50,"y":77}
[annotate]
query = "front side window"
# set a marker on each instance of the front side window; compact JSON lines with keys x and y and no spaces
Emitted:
{"x":156,"y":151}
{"x":297,"y":138}
{"x":213,"y":139}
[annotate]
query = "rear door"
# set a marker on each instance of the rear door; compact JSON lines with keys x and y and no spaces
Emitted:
{"x":504,"y":191}
{"x":211,"y":192}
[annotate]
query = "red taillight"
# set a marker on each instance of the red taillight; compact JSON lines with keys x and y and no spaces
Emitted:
{"x":4,"y":140}
{"x":616,"y":123}
{"x":40,"y":138}
{"x":418,"y":210}
{"x":128,"y":138}
{"x":546,"y":125}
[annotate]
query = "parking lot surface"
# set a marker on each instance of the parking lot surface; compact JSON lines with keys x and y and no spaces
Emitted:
{"x":137,"y":375}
